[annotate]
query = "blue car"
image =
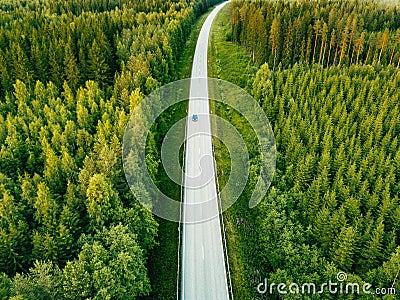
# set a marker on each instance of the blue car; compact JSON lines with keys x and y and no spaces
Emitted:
{"x":195,"y":118}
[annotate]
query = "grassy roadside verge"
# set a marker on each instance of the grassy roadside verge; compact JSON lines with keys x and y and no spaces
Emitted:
{"x":163,"y":259}
{"x":184,"y":65}
{"x":231,"y":62}
{"x":227,"y":60}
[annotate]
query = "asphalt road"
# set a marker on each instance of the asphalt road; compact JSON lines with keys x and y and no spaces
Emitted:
{"x":203,"y":264}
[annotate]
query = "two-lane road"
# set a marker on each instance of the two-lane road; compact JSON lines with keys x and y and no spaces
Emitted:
{"x":203,"y":265}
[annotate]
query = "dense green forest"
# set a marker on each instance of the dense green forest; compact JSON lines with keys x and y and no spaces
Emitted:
{"x":328,"y":79}
{"x":70,"y":74}
{"x":325,"y":32}
{"x":72,"y":71}
{"x":334,"y":204}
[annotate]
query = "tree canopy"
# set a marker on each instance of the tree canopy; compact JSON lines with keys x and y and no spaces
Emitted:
{"x":70,"y":74}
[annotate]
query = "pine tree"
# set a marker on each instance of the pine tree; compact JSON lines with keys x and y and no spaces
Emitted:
{"x":344,"y":44}
{"x":102,"y":201}
{"x":14,"y":242}
{"x":317,"y":29}
{"x":384,"y":42}
{"x":20,"y":63}
{"x":56,"y":62}
{"x":372,"y":251}
{"x":72,"y":75}
{"x":98,"y":69}
{"x":324,"y":37}
{"x":360,"y":46}
{"x":331,"y":46}
{"x":5,"y":80}
{"x":344,"y":248}
{"x":322,"y":230}
{"x":274,"y":38}
{"x":46,"y":207}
